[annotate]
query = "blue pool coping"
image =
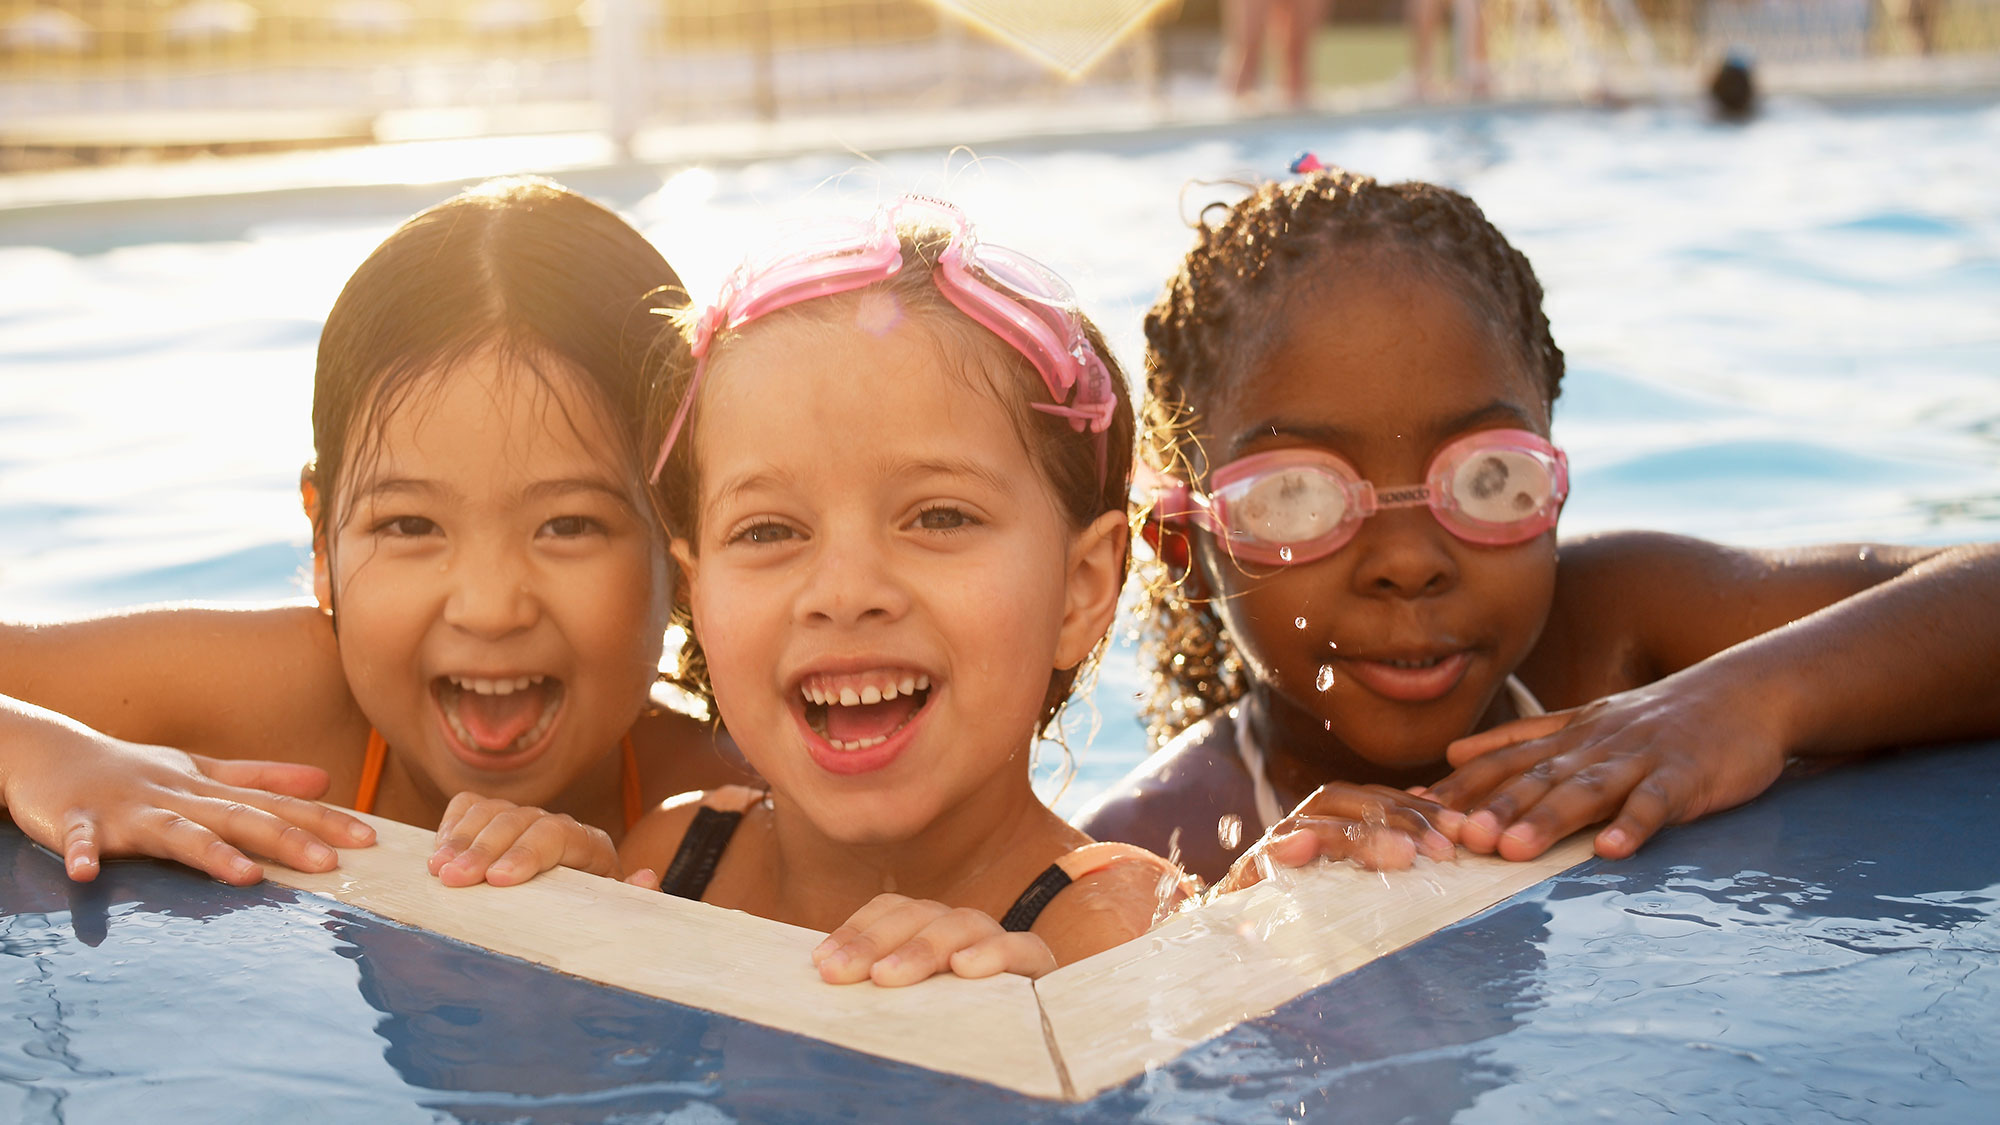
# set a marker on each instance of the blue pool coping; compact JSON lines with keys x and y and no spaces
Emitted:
{"x":1829,"y":950}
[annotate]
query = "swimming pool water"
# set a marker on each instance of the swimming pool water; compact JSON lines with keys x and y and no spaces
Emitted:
{"x":1778,"y":334}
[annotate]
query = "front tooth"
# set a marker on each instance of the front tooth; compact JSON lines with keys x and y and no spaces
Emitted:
{"x":483,"y":687}
{"x":908,"y":685}
{"x":889,"y":692}
{"x":848,"y":698}
{"x":871,"y":694}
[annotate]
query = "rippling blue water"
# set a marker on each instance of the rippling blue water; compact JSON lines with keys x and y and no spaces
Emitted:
{"x":1781,"y":334}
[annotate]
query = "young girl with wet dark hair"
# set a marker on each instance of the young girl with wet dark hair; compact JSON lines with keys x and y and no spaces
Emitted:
{"x":1368,"y":620}
{"x":491,"y":580}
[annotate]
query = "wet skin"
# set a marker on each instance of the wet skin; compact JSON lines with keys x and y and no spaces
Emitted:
{"x":1676,"y":690}
{"x":867,"y":516}
{"x":490,"y":537}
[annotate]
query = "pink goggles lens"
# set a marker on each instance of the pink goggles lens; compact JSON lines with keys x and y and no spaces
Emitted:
{"x":1493,"y":488}
{"x":1016,"y":298}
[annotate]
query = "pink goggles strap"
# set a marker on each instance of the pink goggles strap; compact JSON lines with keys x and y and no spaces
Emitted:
{"x":1025,"y":305}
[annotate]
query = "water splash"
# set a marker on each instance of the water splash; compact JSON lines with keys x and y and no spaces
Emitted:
{"x":1229,"y":831}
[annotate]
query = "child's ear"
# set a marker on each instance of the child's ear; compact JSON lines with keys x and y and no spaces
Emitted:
{"x":322,"y":574}
{"x":1096,"y":574}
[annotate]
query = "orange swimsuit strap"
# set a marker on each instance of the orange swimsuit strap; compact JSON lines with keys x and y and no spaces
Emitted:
{"x":378,"y":754}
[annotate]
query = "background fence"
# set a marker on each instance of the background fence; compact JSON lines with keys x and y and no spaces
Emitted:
{"x":84,"y":77}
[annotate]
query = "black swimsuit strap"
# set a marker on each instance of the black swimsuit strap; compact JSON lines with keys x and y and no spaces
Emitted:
{"x":1020,"y":917}
{"x":701,"y":849}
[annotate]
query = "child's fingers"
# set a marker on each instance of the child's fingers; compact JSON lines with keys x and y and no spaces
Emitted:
{"x":1466,"y":787}
{"x":646,"y":878}
{"x":166,"y":834}
{"x":466,"y":817}
{"x":929,"y":951}
{"x":1649,"y":807}
{"x":322,"y":822}
{"x":290,"y":778}
{"x":80,"y":852}
{"x":554,"y":841}
{"x":494,"y":837}
{"x":858,"y":923}
{"x":1022,"y":954}
{"x":1592,"y":792}
{"x":1472,"y":746}
{"x":244,"y":825}
{"x":851,"y":958}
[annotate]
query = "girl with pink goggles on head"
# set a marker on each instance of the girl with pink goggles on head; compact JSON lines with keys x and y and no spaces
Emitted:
{"x":1494,"y":488}
{"x":1010,"y":294}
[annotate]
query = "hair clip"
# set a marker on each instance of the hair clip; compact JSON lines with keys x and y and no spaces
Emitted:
{"x":1306,"y":162}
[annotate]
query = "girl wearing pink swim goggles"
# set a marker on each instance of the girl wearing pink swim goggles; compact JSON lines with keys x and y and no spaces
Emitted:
{"x":896,"y":476}
{"x":1355,"y":500}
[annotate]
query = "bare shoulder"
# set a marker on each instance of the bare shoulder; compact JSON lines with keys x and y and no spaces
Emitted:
{"x":1113,"y":902}
{"x":230,"y":681}
{"x":1186,"y":788}
{"x":653,"y":841}
{"x":1633,"y":606}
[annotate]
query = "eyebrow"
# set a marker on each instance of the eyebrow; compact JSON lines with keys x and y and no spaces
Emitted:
{"x":955,"y":467}
{"x":1337,"y":436}
{"x":541,"y":490}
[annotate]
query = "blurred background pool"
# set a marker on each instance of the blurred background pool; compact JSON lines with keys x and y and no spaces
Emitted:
{"x":1777,"y":334}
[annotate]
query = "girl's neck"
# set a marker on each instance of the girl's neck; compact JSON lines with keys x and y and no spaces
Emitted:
{"x":969,"y":855}
{"x":1301,"y":754}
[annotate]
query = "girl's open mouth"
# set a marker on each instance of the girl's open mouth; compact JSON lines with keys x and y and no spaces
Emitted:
{"x":497,"y":723}
{"x":858,"y":716}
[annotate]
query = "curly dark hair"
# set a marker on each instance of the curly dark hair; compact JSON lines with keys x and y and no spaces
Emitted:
{"x":1225,"y":306}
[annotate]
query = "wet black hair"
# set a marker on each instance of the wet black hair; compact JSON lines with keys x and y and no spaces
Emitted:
{"x":1225,"y":307}
{"x":551,"y":280}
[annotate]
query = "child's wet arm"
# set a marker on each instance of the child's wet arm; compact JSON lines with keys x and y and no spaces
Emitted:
{"x":224,"y":682}
{"x":1909,"y":660}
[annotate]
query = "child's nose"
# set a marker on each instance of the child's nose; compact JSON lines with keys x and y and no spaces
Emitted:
{"x":852,"y":579}
{"x":1404,"y":553}
{"x":491,"y":593}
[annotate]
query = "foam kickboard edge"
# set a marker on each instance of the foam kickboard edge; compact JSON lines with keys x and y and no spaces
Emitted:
{"x":691,"y":953}
{"x":1141,"y":1004}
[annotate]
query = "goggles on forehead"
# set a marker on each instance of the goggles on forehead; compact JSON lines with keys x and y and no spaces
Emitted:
{"x":1493,"y":488}
{"x":1011,"y":295}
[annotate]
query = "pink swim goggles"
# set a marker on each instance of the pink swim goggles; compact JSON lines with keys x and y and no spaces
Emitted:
{"x":1015,"y":297}
{"x":1493,"y":488}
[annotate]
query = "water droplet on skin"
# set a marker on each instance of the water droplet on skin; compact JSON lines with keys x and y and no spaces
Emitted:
{"x":1329,"y":724}
{"x":1325,"y":679}
{"x":1285,"y":553}
{"x":1298,"y":622}
{"x":1229,"y":831}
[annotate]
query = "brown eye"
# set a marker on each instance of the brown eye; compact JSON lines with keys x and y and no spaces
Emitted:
{"x":944,"y":518}
{"x":408,"y":527}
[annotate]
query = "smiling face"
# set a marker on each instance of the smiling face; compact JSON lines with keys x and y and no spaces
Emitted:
{"x":880,"y":580}
{"x":500,"y":591}
{"x":1398,"y":642}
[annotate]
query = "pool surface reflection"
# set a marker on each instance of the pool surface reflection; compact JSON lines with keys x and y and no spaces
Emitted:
{"x":1828,"y":951}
